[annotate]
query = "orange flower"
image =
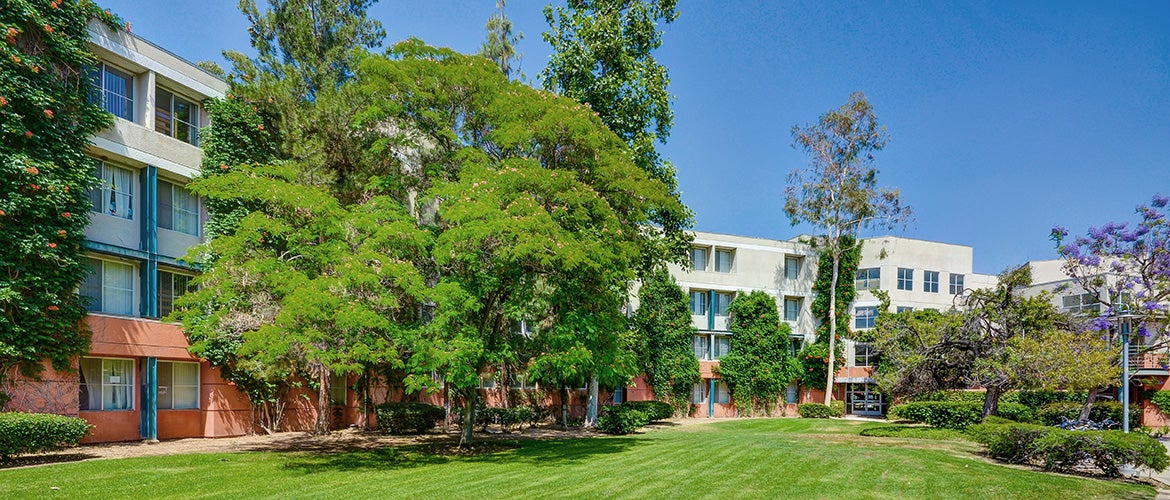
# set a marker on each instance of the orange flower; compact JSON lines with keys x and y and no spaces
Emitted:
{"x":66,"y":215}
{"x":52,"y":245}
{"x":1,"y":213}
{"x":15,"y":59}
{"x":259,"y":127}
{"x":34,"y":187}
{"x":48,"y":29}
{"x":61,"y":232}
{"x":3,"y":101}
{"x":52,"y":308}
{"x":32,"y":170}
{"x":49,"y":113}
{"x":28,"y":133}
{"x":36,"y":69}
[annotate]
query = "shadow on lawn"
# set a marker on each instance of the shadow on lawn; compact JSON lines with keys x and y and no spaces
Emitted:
{"x":547,"y":453}
{"x":52,"y":458}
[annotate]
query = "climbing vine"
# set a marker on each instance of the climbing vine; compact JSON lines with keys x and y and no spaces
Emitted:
{"x":814,"y":358}
{"x":46,"y":117}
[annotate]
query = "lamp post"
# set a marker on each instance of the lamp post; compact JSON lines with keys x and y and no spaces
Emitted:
{"x":1124,"y":373}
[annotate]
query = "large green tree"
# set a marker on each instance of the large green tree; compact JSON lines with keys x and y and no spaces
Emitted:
{"x":603,"y":57}
{"x":531,"y":200}
{"x":759,"y":367}
{"x":837,"y":191}
{"x":46,"y":118}
{"x":665,"y":336}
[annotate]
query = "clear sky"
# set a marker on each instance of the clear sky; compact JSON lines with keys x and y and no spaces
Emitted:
{"x":1005,"y":118}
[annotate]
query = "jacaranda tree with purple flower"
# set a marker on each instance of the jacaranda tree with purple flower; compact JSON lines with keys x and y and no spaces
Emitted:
{"x":1127,"y":269}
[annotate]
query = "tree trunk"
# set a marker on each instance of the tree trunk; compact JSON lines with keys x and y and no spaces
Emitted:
{"x":991,"y":401}
{"x":832,"y":328}
{"x":446,"y":407}
{"x":467,"y":429}
{"x":1088,"y":406}
{"x":324,"y":408}
{"x":591,"y":406}
{"x":564,"y":408}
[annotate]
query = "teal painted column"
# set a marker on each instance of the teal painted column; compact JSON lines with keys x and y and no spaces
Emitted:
{"x":711,"y":400}
{"x":711,"y":310}
{"x":149,"y":270}
{"x":149,"y":425}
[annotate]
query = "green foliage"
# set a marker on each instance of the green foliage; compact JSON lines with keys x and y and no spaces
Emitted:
{"x":46,"y":119}
{"x":850,"y":260}
{"x":813,"y":361}
{"x":664,"y":328}
{"x":916,"y":358}
{"x":602,"y":57}
{"x":512,"y":417}
{"x":242,"y":133}
{"x":408,"y":417}
{"x":500,"y":46}
{"x":654,"y":410}
{"x":622,"y":419}
{"x":956,"y":415}
{"x":1161,"y":399}
{"x":1053,"y":413}
{"x":758,"y":368}
{"x":1068,"y":451}
{"x":818,"y":410}
{"x":1031,"y":399}
{"x":22,"y":433}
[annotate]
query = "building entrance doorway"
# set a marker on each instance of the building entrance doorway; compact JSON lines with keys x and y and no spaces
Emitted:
{"x":863,"y":399}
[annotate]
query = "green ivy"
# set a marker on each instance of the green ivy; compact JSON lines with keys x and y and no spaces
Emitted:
{"x":758,"y":368}
{"x":847,"y":271}
{"x":46,"y":118}
{"x":665,"y":332}
{"x":1161,"y":399}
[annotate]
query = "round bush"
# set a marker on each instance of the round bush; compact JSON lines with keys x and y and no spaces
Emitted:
{"x":403,"y":418}
{"x":22,"y":433}
{"x":622,"y":419}
{"x":655,"y":410}
{"x":814,"y":410}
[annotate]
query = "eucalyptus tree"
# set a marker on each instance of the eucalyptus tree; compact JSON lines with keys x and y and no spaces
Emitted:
{"x":837,"y":191}
{"x":500,"y":46}
{"x":531,"y":200}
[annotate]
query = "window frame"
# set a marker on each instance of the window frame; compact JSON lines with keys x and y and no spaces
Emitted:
{"x":193,"y":127}
{"x":98,"y":79}
{"x":706,"y":257}
{"x":86,"y":388}
{"x":906,"y":279}
{"x":716,"y":346}
{"x":99,"y":302}
{"x":722,"y":392}
{"x":868,"y":278}
{"x":171,"y":391}
{"x":724,"y":268}
{"x":930,"y":285}
{"x":703,"y":302}
{"x":791,"y":267}
{"x":789,"y":304}
{"x":169,"y":298}
{"x":701,"y":346}
{"x":869,"y":356}
{"x":864,"y":321}
{"x":101,"y":193}
{"x":957,"y":286}
{"x":175,"y":211}
{"x":721,"y":306}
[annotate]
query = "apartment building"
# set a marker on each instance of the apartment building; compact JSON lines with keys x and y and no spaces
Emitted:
{"x":138,"y":381}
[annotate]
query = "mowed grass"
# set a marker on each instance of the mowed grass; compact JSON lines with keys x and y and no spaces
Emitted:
{"x":748,"y":458}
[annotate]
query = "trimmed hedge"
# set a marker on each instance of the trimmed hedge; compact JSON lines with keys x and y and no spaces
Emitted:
{"x":22,"y":433}
{"x":956,"y":415}
{"x":1031,"y":399}
{"x":1068,"y":451}
{"x":655,"y":410}
{"x":837,"y":408}
{"x":407,"y":417}
{"x":817,"y":410}
{"x":1051,"y":414}
{"x":622,"y":419}
{"x":512,"y":417}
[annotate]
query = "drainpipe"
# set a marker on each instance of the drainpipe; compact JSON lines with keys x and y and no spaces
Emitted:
{"x":149,"y":425}
{"x":711,"y":400}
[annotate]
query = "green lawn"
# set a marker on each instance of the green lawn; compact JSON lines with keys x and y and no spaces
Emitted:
{"x":780,"y":458}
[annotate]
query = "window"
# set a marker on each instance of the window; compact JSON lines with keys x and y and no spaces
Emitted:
{"x":178,"y":385}
{"x":697,"y":393}
{"x":722,"y":393}
{"x":109,"y":287}
{"x":722,"y":301}
{"x":178,"y":209}
{"x":791,"y":267}
{"x":176,"y":117}
{"x":903,"y":309}
{"x":794,"y":346}
{"x":723,"y":260}
{"x":864,"y":354}
{"x":487,"y":381}
{"x":1081,"y":303}
{"x":699,"y":303}
{"x":957,"y":284}
{"x":868,"y":278}
{"x":791,"y":394}
{"x":791,"y":309}
{"x":930,"y":281}
{"x":699,"y":343}
{"x":905,"y":279}
{"x":520,"y":381}
{"x":337,"y":389}
{"x":107,"y":384}
{"x":170,"y":286}
{"x":114,"y":90}
{"x":864,"y":317}
{"x":114,"y":194}
{"x":619,"y":395}
{"x":722,"y":346}
{"x":699,"y":258}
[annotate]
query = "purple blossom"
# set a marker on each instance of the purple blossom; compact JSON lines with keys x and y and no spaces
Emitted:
{"x":1160,"y":201}
{"x":1101,"y":324}
{"x":1059,"y":232}
{"x":1143,"y":331}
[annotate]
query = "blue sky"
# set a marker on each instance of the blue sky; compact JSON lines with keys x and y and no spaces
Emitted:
{"x":1005,"y":118}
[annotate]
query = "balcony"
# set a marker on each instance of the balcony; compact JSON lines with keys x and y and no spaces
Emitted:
{"x":1150,"y":363}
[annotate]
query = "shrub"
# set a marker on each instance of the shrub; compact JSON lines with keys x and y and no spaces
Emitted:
{"x":1161,"y":399}
{"x":402,"y":418}
{"x":654,"y":410}
{"x":1052,"y":413}
{"x":1014,"y":411}
{"x":996,"y":419}
{"x":22,"y":433}
{"x":622,"y":419}
{"x":940,"y":413}
{"x":837,"y":408}
{"x":814,"y":410}
{"x":1108,"y":451}
{"x":1011,"y":443}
